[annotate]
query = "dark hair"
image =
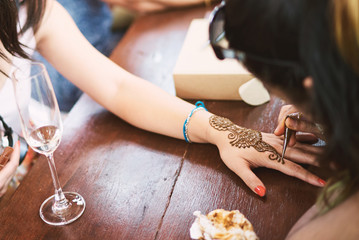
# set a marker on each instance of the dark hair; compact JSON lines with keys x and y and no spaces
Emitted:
{"x":268,"y":29}
{"x":335,"y":92}
{"x":302,"y":31}
{"x":346,"y":25}
{"x":8,"y":25}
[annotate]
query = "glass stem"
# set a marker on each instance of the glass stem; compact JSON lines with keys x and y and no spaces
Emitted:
{"x":61,"y":202}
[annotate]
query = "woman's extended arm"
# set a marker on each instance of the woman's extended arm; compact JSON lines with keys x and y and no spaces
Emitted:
{"x":146,"y":6}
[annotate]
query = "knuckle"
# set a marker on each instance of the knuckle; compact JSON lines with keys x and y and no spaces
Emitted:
{"x":296,"y":170}
{"x":302,"y":125}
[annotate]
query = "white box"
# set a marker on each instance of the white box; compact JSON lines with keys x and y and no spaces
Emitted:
{"x":198,"y":73}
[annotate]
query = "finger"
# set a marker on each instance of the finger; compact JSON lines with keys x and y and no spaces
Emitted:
{"x":295,"y":170}
{"x":281,"y":126}
{"x":303,"y":156}
{"x":292,"y":140}
{"x":302,"y":126}
{"x":308,"y":138}
{"x":301,"y":152}
{"x":308,"y":148}
{"x":285,"y":110}
{"x":9,"y":169}
{"x":251,"y":180}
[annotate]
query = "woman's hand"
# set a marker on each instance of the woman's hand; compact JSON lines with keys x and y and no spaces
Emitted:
{"x":310,"y":131}
{"x":8,"y":171}
{"x":147,"y":6}
{"x":243,"y":149}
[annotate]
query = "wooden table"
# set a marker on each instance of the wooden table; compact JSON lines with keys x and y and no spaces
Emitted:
{"x":140,"y":185}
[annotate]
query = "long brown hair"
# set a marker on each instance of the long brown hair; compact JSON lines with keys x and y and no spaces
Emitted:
{"x":9,"y":35}
{"x":301,"y":31}
{"x":346,"y":27}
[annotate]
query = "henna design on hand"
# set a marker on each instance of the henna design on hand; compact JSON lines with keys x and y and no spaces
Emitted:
{"x":243,"y":137}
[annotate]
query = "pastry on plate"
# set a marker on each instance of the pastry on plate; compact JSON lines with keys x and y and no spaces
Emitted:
{"x":222,"y":225}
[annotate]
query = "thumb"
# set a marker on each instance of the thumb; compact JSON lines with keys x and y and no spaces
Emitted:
{"x":252,"y":181}
{"x":280,"y":128}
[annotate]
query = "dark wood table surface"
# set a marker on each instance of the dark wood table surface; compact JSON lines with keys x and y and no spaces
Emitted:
{"x":140,"y":185}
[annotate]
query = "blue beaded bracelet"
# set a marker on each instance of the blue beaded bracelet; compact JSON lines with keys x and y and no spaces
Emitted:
{"x":199,"y":105}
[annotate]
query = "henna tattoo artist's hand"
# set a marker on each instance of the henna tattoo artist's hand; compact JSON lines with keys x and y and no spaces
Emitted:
{"x":8,"y":171}
{"x":312,"y":131}
{"x":242,"y":149}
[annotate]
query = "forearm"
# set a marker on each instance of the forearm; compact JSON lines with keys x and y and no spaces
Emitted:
{"x":148,"y":107}
{"x":146,"y":6}
{"x":168,"y":3}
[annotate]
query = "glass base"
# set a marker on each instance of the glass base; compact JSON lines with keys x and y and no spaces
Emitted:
{"x":64,"y":213}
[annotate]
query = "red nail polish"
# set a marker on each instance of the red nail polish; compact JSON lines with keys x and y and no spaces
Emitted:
{"x":261,"y":191}
{"x":321,"y":181}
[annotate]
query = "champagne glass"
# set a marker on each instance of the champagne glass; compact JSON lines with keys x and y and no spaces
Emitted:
{"x":42,"y":128}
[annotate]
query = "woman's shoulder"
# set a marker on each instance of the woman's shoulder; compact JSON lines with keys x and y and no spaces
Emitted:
{"x":339,"y":223}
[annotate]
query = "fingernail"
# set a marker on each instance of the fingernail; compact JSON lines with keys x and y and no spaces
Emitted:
{"x":321,"y":181}
{"x":260,"y":190}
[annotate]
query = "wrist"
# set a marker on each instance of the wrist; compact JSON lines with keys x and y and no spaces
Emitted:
{"x":201,"y":131}
{"x":198,"y":127}
{"x":214,"y":136}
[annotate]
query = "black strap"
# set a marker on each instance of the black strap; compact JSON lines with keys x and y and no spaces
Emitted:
{"x":7,"y":132}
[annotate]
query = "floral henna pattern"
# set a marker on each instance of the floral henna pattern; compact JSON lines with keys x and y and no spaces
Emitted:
{"x":243,"y":137}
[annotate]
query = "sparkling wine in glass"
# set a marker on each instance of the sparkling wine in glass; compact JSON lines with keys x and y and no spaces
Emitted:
{"x":42,"y":128}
